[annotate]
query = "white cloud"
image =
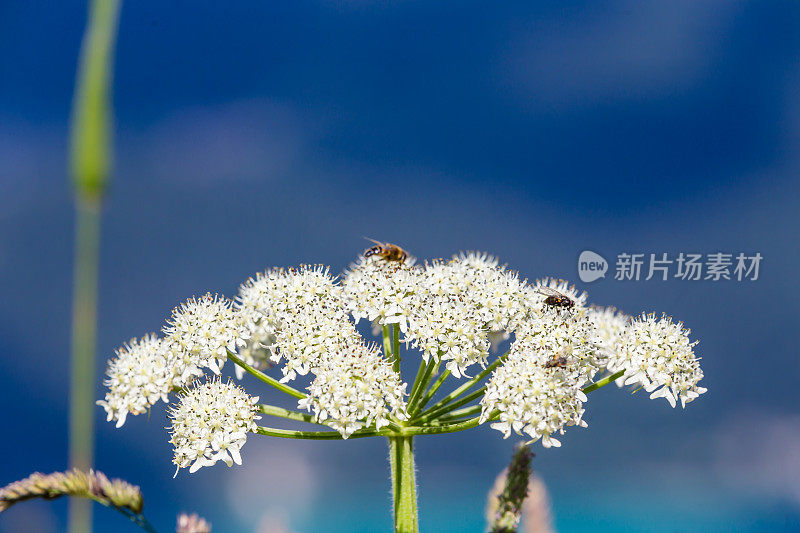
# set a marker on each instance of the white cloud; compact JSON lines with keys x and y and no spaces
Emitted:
{"x":758,"y":452}
{"x":244,"y":140}
{"x":636,"y":49}
{"x":277,"y":483}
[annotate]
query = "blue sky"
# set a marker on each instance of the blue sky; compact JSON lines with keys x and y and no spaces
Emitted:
{"x":253,"y":134}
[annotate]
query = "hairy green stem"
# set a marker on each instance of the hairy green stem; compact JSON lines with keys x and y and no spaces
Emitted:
{"x":319,"y":435}
{"x":404,"y":485}
{"x":432,"y":390}
{"x":387,"y":344}
{"x":461,"y":413}
{"x":419,"y":385}
{"x":435,"y":428}
{"x":272,"y":382}
{"x":603,"y":382}
{"x":417,"y":380}
{"x":439,"y":428}
{"x":432,"y":414}
{"x":396,"y":347}
{"x":273,"y":410}
{"x":469,"y":384}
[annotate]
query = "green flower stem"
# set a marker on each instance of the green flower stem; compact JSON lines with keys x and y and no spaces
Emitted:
{"x":603,"y":382}
{"x":84,"y":335}
{"x":404,"y":484}
{"x":432,"y":414}
{"x":291,"y":391}
{"x":432,"y":390}
{"x":442,"y":428}
{"x":90,"y":131}
{"x":461,"y":413}
{"x":288,"y":414}
{"x":419,"y":385}
{"x":417,"y":380}
{"x":89,"y":159}
{"x":387,"y":344}
{"x":318,"y":435}
{"x":469,"y":384}
{"x":397,"y":432}
{"x":396,"y":347}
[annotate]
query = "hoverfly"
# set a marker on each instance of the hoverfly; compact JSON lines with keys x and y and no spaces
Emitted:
{"x":560,"y":362}
{"x":387,"y":251}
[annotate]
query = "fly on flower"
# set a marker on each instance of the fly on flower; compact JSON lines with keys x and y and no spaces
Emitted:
{"x":386,"y":251}
{"x":556,"y":362}
{"x":555,"y":299}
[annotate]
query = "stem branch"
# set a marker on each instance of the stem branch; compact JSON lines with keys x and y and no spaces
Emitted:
{"x":603,"y":382}
{"x":291,"y":391}
{"x":431,"y":414}
{"x":469,"y":384}
{"x":419,"y":384}
{"x":432,"y":390}
{"x":288,"y":414}
{"x":396,"y":347}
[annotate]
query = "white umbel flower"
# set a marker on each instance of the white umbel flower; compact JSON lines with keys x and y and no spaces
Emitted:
{"x":495,"y":290}
{"x":210,"y":423}
{"x":531,"y":398}
{"x":201,"y":331}
{"x":464,"y":304}
{"x":658,"y":355}
{"x":383,"y":292}
{"x":141,"y":374}
{"x":298,"y":314}
{"x":610,"y":327}
{"x":258,"y":350}
{"x":561,"y":332}
{"x":354,"y":389}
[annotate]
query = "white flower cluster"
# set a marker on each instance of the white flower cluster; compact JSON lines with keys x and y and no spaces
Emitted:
{"x":258,"y":351}
{"x":302,"y":310}
{"x":200,"y":333}
{"x":610,"y":325}
{"x":570,"y":334}
{"x":355,"y":390}
{"x":451,"y":311}
{"x":461,"y":304}
{"x":610,"y":328}
{"x":383,"y":292}
{"x":141,"y":373}
{"x":527,"y":396}
{"x":657,"y":354}
{"x":210,"y":423}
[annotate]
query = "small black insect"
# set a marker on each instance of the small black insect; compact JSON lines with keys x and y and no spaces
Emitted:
{"x":560,"y":362}
{"x":555,"y":298}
